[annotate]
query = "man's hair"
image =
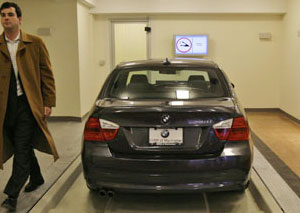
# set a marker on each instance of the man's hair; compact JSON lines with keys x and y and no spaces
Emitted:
{"x":7,"y":4}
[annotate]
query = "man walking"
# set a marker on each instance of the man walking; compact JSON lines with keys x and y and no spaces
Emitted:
{"x":27,"y":94}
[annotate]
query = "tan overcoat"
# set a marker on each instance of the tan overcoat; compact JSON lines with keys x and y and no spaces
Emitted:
{"x":36,"y":75}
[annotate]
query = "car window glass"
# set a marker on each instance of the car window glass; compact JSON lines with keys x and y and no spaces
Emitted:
{"x":166,"y":84}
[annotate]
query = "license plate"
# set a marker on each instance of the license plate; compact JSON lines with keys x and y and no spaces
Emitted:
{"x":165,"y":136}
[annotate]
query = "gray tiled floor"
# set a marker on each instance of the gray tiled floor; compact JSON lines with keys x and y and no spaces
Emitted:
{"x":67,"y":137}
{"x":79,"y":199}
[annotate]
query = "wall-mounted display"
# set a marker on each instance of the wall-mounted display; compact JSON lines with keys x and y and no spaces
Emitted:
{"x":190,"y":45}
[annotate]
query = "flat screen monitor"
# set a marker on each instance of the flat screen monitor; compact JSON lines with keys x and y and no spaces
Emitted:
{"x":190,"y":45}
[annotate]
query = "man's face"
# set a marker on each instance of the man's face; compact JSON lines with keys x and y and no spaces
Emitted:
{"x":9,"y":19}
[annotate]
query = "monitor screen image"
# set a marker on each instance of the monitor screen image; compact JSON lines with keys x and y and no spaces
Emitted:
{"x":191,"y":45}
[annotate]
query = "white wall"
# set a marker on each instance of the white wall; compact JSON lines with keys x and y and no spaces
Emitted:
{"x":265,"y":72}
{"x":60,"y":17}
{"x":252,"y":64}
{"x":88,"y":3}
{"x":89,"y":74}
{"x":102,"y":47}
{"x":190,"y":6}
{"x":290,"y":73}
{"x":71,"y":51}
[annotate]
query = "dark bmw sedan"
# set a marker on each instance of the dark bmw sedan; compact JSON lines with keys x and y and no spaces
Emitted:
{"x":167,"y":126}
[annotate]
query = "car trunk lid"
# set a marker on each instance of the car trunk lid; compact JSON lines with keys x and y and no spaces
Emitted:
{"x":187,"y":124}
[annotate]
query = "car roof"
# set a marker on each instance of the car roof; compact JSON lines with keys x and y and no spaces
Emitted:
{"x":176,"y":62}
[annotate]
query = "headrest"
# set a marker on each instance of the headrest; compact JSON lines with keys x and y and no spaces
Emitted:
{"x":139,"y":79}
{"x":196,"y":78}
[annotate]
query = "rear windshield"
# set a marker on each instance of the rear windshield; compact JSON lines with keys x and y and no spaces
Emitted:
{"x":166,"y":84}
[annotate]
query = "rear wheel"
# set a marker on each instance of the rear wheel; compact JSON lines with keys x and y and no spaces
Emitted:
{"x":244,"y":187}
{"x":247,"y":185}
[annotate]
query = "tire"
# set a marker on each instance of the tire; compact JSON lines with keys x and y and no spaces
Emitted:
{"x":94,"y":190}
{"x":244,"y":187}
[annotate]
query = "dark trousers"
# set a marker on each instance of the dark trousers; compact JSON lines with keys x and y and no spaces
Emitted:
{"x":20,"y":124}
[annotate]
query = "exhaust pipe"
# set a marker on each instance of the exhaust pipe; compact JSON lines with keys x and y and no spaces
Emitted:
{"x":102,"y":192}
{"x":110,"y":193}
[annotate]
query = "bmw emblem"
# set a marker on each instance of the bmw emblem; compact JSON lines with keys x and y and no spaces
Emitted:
{"x":165,"y":118}
{"x":165,"y":133}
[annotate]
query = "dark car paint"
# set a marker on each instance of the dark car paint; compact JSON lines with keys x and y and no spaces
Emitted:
{"x":222,"y":172}
{"x":120,"y":166}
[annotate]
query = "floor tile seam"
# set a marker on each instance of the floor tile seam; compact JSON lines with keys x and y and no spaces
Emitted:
{"x":286,"y":198}
{"x":277,"y":163}
{"x":59,"y":187}
{"x":277,"y":151}
{"x":267,"y":188}
{"x":65,"y":169}
{"x":108,"y":206}
{"x":206,"y":203}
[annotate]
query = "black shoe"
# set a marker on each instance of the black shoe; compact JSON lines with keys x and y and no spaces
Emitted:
{"x":32,"y":186}
{"x":10,"y":204}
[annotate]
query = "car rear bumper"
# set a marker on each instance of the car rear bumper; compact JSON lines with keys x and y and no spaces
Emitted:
{"x":229,"y":171}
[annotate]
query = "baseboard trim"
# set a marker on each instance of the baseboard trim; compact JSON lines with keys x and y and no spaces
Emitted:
{"x":290,"y":116}
{"x":67,"y":118}
{"x":263,"y":110}
{"x":273,"y":110}
{"x":64,"y":118}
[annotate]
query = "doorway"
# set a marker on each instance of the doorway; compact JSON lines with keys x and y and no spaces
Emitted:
{"x":129,"y":41}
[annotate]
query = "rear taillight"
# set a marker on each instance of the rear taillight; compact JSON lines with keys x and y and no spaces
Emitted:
{"x":234,"y":129}
{"x":100,"y":130}
{"x":222,"y":129}
{"x":239,"y":130}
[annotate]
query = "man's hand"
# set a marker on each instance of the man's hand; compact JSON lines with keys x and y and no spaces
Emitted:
{"x":47,"y":111}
